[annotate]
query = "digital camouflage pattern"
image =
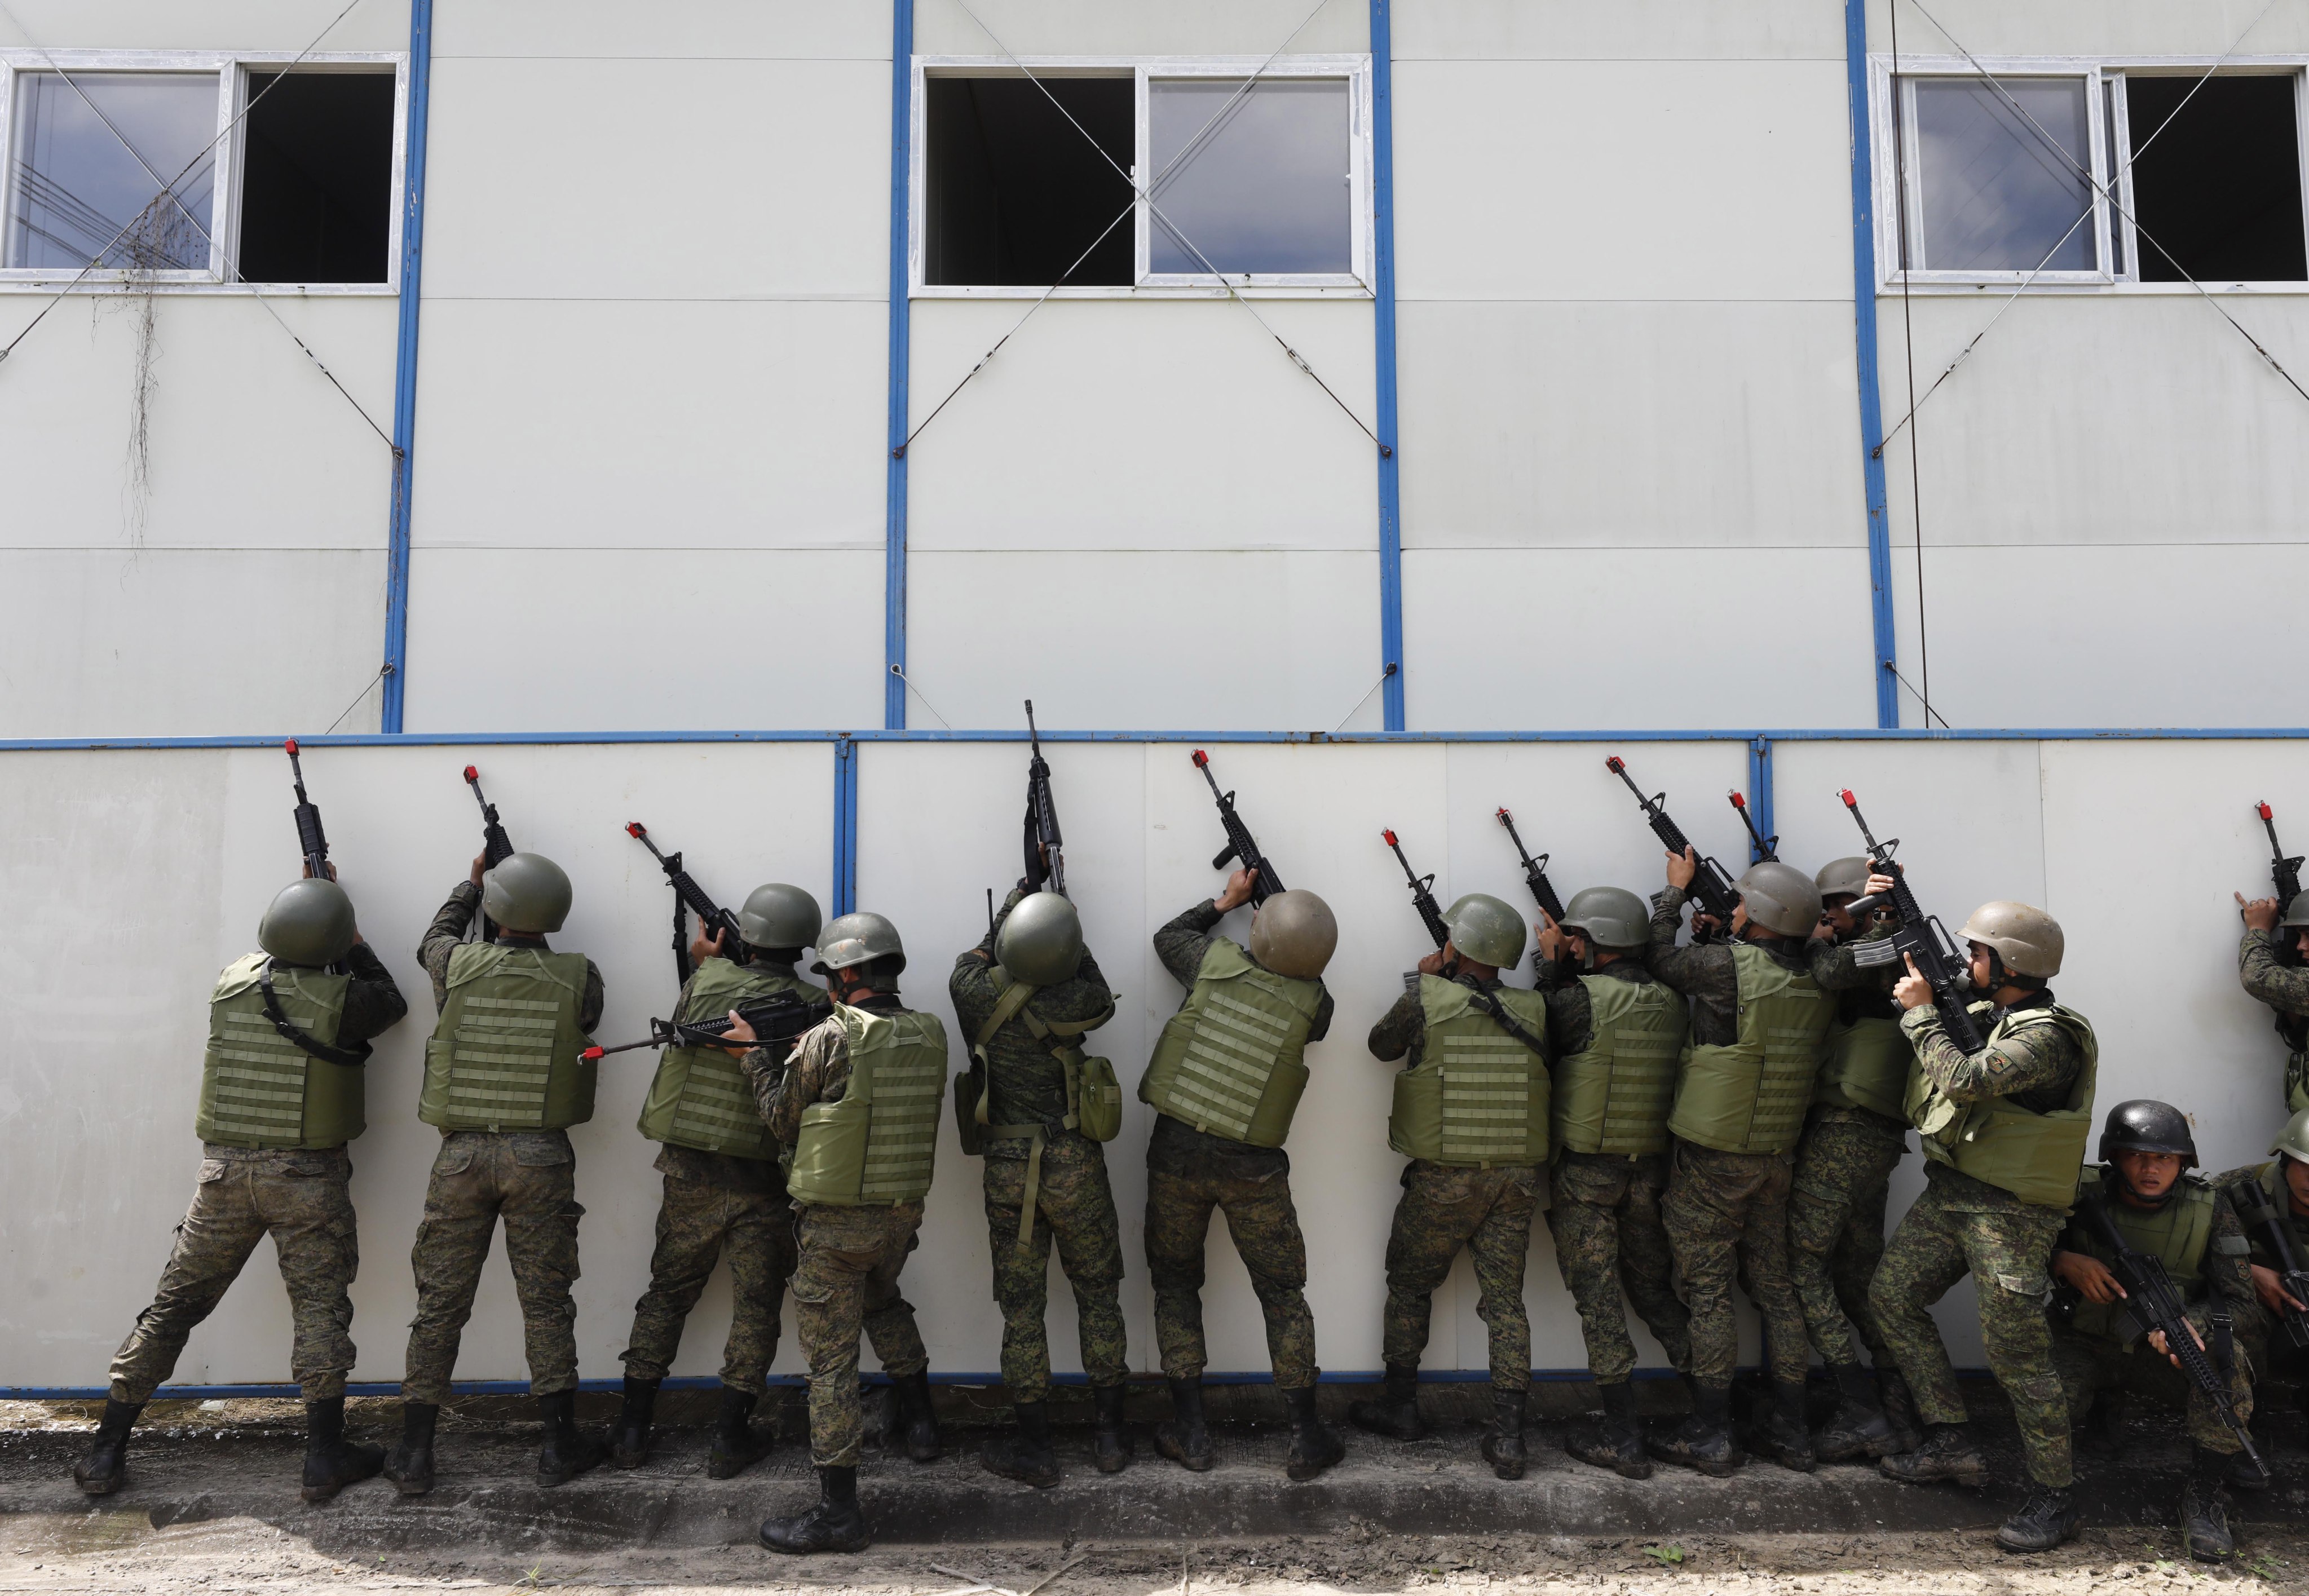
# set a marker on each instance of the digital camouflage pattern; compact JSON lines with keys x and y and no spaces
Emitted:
{"x":2034,"y":1066}
{"x":817,"y":1070}
{"x":1487,"y":1212}
{"x":2090,"y":1365}
{"x":1727,"y":1219}
{"x":847,"y":1280}
{"x":1074,"y":1208}
{"x":699,"y":1222}
{"x":1705,"y":973}
{"x":300,"y":1197}
{"x":1836,"y":1225}
{"x":2284,"y":987}
{"x":1610,"y":1238}
{"x":1025,"y":1084}
{"x":1570,"y":1016}
{"x":1188,"y":1175}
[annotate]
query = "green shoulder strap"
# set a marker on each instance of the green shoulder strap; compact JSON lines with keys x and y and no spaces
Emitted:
{"x":1013,"y":1004}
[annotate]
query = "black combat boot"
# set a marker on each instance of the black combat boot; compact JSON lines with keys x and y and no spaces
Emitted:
{"x":1182,"y":1437}
{"x":1110,"y":1445}
{"x":917,"y":1431}
{"x":568,"y":1451}
{"x":410,"y":1464}
{"x":629,"y":1441}
{"x":101,"y":1473}
{"x":2205,"y":1509}
{"x":2047,"y":1519}
{"x":1617,"y":1442}
{"x":1778,"y":1431}
{"x":332,"y":1463}
{"x":738,"y":1445}
{"x":1947,"y":1454}
{"x":1315,"y":1446}
{"x":1395,"y":1412}
{"x":834,"y":1525}
{"x":2101,"y":1433}
{"x":1703,"y":1441}
{"x":1858,"y":1429}
{"x":1026,"y":1456}
{"x":1503,"y":1442}
{"x":1899,"y":1408}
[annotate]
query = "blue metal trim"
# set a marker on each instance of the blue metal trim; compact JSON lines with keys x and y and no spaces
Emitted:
{"x":845,"y":827}
{"x":1759,"y":789}
{"x":1864,"y":334}
{"x":1390,"y":483}
{"x":893,"y":535}
{"x":405,"y":375}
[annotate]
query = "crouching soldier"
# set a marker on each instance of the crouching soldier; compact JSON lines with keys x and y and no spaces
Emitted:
{"x":281,"y":1097}
{"x":2272,"y":1203}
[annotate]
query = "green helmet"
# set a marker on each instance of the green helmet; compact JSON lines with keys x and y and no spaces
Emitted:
{"x":1609,"y":917}
{"x":2296,"y":913}
{"x":856,"y":938}
{"x":1041,"y":942}
{"x":1294,"y":933}
{"x":1780,"y":898}
{"x":2293,"y":1141}
{"x":1487,"y":929}
{"x":1844,"y":878}
{"x":2028,"y":939}
{"x":309,"y":922}
{"x":776,"y":915}
{"x":526,"y":893}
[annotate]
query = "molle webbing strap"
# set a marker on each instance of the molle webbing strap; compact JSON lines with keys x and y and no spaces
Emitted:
{"x":717,"y":1106}
{"x":503,"y":1057}
{"x":903,"y":1133}
{"x":1232,"y":1053}
{"x":259,"y":1093}
{"x":1486,"y":1099}
{"x":327,"y":1054}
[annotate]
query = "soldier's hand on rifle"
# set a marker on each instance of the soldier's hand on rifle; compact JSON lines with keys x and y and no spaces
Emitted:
{"x":480,"y":866}
{"x":1683,"y":869}
{"x":740,"y":1032}
{"x":702,"y":947}
{"x":1823,"y":929}
{"x":2090,"y":1277}
{"x":2261,"y":913}
{"x":2157,"y":1340}
{"x":1879,"y":884}
{"x":332,"y":869}
{"x":2269,"y":1287}
{"x":1912,"y":991}
{"x":1237,"y":893}
{"x":1549,"y":938}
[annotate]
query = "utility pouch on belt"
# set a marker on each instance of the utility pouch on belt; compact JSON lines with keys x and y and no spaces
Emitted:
{"x":1094,"y":1095}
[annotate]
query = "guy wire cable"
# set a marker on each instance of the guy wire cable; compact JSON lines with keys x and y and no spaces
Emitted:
{"x":1909,"y":366}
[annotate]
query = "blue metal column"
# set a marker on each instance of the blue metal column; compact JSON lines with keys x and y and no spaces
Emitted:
{"x":893,"y":576}
{"x":1864,"y":332}
{"x":1760,"y":788}
{"x":405,"y":375}
{"x":846,"y":826}
{"x":1391,"y":491}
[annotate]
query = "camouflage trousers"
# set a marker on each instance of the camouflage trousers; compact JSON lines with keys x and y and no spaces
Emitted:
{"x":1487,"y":1212}
{"x":529,"y":1179}
{"x":1254,"y":1192}
{"x":1073,"y":1207}
{"x":845,"y":1281}
{"x":1727,"y":1219}
{"x":2090,"y":1365}
{"x":698,"y":1224}
{"x":1836,"y":1225}
{"x":1605,"y":1218}
{"x":2007,"y":1251}
{"x":2296,"y":1081}
{"x":303,"y":1199}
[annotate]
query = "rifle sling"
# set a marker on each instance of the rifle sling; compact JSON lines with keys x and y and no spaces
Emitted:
{"x":1498,"y":1011}
{"x":349,"y":1057}
{"x":1059,"y":1037}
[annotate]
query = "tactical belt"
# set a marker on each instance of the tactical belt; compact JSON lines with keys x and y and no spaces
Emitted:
{"x":1059,"y":1037}
{"x":357,"y":1053}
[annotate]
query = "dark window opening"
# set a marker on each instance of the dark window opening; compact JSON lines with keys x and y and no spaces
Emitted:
{"x":2218,"y":193}
{"x":1014,"y":194}
{"x":316,"y":179}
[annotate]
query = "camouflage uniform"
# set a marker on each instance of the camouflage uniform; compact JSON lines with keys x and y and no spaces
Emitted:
{"x":302,"y":1198}
{"x":2284,"y":987}
{"x":528,"y":1179}
{"x":1604,"y":1213}
{"x":1726,"y":1213}
{"x":2272,"y":1350}
{"x":847,"y":1276}
{"x":1445,"y":1208}
{"x":1962,"y":1226}
{"x":1074,"y":1205}
{"x":1188,"y":1173}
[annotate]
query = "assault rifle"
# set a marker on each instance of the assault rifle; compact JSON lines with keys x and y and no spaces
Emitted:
{"x":2283,"y":874}
{"x":1535,"y":874}
{"x":1766,"y":849}
{"x":688,"y":896}
{"x":1711,"y":888}
{"x":1241,"y":846}
{"x":779,"y":1019}
{"x":496,"y":846}
{"x":1919,"y":936}
{"x":1045,"y":851}
{"x":2262,"y":1219}
{"x":1423,"y":895}
{"x":312,"y":842}
{"x":2153,"y":1304}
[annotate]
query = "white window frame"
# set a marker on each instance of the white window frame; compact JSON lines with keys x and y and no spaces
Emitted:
{"x":1355,"y":70}
{"x":2105,"y":99}
{"x":232,"y":69}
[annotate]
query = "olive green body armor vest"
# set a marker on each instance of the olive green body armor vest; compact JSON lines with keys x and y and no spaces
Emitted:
{"x":699,"y":1098}
{"x":1478,"y":1098}
{"x":1751,"y":1096}
{"x":2178,"y":1235}
{"x":874,"y":1146}
{"x":258,"y":1088}
{"x":1867,"y":1067}
{"x":2034,"y":1156}
{"x":1612,"y":1096}
{"x":506,"y":1053}
{"x":1228,"y":1063}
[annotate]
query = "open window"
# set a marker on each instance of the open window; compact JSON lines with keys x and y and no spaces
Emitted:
{"x":2215,"y":176}
{"x":316,"y":177}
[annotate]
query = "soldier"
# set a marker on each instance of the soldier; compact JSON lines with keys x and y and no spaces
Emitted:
{"x":1855,"y":1137}
{"x":2003,"y":1132}
{"x":1224,"y":1080}
{"x":1616,"y":1034}
{"x":2284,"y":1188}
{"x":1758,"y":1020}
{"x":856,"y":1105}
{"x":280,"y":1096}
{"x":1471,"y":1113}
{"x":724,"y":1192}
{"x":2099,"y":1348}
{"x":506,"y":1077}
{"x":2283,"y":985}
{"x":1026,"y":995}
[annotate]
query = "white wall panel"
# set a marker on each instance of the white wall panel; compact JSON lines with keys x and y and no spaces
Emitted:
{"x":1542,"y":638}
{"x":784,"y":29}
{"x":628,"y":639}
{"x":1632,"y":29}
{"x":1651,"y":425}
{"x":2088,"y":27}
{"x":1253,"y":28}
{"x":213,"y":25}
